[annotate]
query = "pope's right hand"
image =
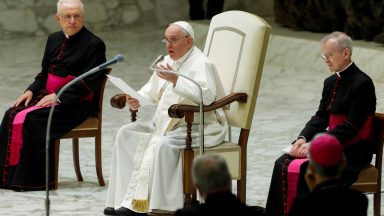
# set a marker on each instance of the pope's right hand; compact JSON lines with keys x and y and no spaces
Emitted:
{"x":133,"y":103}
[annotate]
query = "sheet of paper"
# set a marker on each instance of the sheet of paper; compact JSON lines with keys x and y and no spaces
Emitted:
{"x":123,"y":86}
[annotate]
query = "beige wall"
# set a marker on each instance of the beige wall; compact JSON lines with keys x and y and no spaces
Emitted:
{"x":27,"y":18}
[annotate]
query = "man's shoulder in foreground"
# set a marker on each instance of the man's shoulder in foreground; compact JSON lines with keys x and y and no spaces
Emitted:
{"x":221,"y":204}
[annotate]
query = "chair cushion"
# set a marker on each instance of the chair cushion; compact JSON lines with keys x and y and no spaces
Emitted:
{"x":367,"y":180}
{"x":89,"y":128}
{"x":89,"y":124}
{"x":368,"y":175}
{"x":232,"y":154}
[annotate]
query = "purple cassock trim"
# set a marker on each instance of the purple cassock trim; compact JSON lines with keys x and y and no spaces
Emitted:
{"x":292,"y":181}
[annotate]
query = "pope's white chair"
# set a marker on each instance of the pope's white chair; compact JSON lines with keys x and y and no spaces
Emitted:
{"x":237,"y":42}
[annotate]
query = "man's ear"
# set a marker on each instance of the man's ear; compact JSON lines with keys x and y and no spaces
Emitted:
{"x":190,"y":40}
{"x":310,"y":177}
{"x":57,"y":16}
{"x":347,"y":53}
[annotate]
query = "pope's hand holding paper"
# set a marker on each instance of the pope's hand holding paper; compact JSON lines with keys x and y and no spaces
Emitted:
{"x":133,"y":96}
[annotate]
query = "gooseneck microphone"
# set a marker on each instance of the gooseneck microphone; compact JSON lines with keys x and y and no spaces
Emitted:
{"x":159,"y":59}
{"x":118,"y":58}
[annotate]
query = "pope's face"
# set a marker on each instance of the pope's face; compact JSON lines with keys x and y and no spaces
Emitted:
{"x":177,"y":41}
{"x":70,"y":18}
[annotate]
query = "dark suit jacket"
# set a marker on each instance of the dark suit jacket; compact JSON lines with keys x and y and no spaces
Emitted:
{"x":224,"y":203}
{"x":330,"y":198}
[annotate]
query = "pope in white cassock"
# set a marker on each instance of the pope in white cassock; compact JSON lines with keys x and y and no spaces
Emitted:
{"x":146,"y":169}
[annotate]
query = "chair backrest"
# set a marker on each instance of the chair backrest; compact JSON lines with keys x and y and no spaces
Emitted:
{"x":378,"y":140}
{"x":237,"y":43}
{"x":100,"y":95}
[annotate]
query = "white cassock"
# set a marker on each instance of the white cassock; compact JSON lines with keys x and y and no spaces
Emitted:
{"x":146,"y":168}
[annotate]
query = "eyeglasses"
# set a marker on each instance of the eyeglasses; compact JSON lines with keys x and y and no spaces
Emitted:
{"x":332,"y":54}
{"x":172,"y":40}
{"x":68,"y":17}
{"x":327,"y":56}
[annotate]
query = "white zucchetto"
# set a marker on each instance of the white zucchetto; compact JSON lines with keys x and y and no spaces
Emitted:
{"x":187,"y":27}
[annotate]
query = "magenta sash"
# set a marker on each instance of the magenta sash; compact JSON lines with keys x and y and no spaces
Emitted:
{"x":364,"y":132}
{"x":292,"y":181}
{"x":53,"y":83}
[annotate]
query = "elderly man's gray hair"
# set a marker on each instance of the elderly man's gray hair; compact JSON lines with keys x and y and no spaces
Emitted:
{"x":210,"y":172}
{"x":342,"y":40}
{"x":60,"y":3}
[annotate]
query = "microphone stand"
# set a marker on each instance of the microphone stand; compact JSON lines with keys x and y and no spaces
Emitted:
{"x":201,"y":124}
{"x":118,"y":58}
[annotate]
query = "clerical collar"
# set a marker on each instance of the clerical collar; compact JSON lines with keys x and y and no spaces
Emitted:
{"x":181,"y":60}
{"x":338,"y":72}
{"x":75,"y":35}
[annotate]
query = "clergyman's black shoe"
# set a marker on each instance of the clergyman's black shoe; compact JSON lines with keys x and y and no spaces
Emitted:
{"x":122,"y":211}
{"x":109,"y":211}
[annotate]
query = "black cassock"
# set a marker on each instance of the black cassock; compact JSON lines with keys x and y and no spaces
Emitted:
{"x":350,"y":97}
{"x":330,"y":198}
{"x":63,"y":56}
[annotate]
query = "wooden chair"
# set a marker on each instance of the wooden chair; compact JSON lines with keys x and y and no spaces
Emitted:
{"x":236,"y":42}
{"x":91,"y":127}
{"x":369,"y":180}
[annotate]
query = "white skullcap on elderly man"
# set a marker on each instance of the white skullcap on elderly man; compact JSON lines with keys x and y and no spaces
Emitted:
{"x":186,"y":27}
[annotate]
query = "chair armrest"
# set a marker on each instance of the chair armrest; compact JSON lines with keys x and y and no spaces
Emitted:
{"x":118,"y":101}
{"x":179,"y":110}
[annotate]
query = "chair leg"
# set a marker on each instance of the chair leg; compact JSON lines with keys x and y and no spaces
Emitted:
{"x":76,"y":163}
{"x":56,"y":168}
{"x":98,"y":160}
{"x":241,"y":193}
{"x":242,"y":183}
{"x":377,"y":204}
{"x":188,"y":188}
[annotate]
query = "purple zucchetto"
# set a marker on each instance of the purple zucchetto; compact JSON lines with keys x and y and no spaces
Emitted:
{"x":326,"y":150}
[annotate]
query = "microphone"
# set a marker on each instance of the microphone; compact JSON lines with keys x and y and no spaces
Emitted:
{"x":118,"y":58}
{"x":154,"y":63}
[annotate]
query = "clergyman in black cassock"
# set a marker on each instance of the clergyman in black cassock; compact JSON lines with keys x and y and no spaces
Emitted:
{"x":68,"y":54}
{"x":346,"y":111}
